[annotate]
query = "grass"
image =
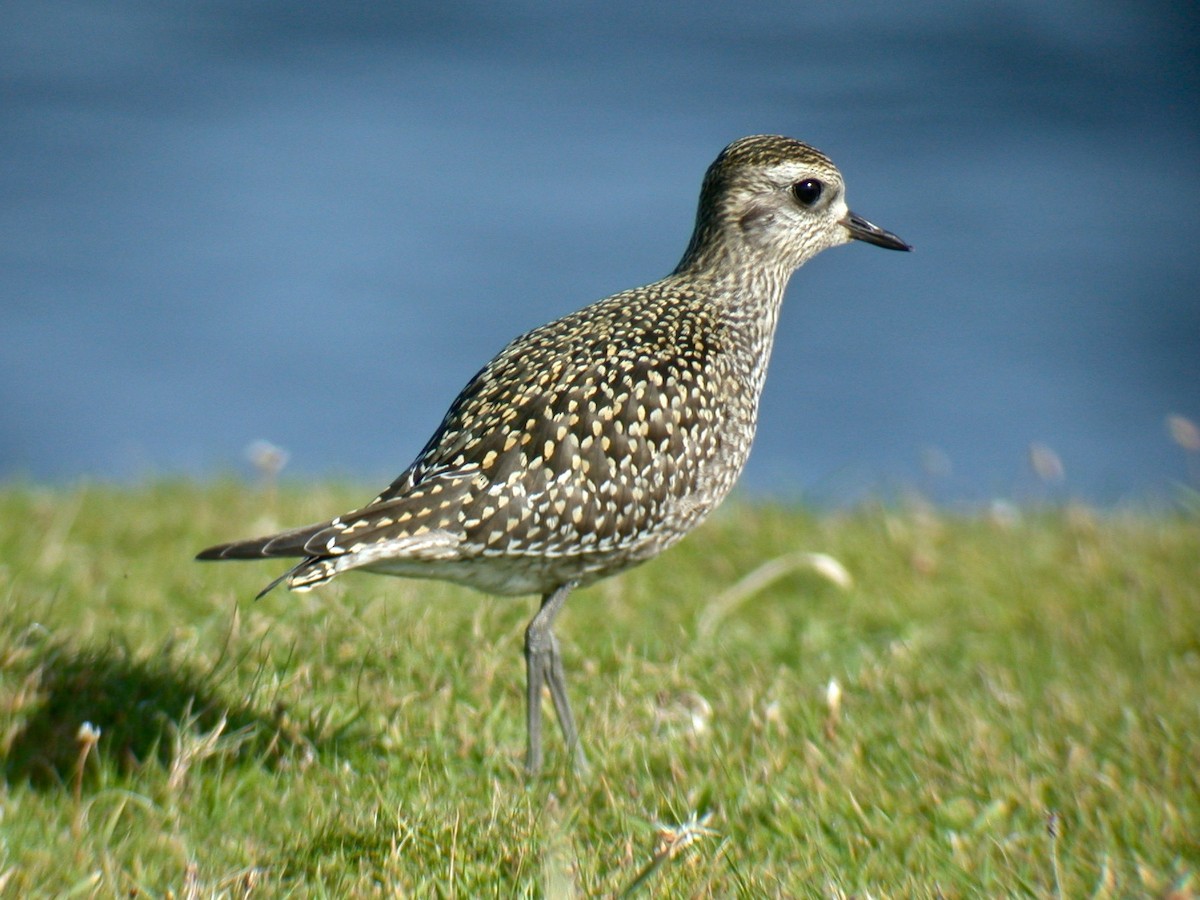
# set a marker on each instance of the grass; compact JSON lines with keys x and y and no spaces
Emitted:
{"x":992,"y":707}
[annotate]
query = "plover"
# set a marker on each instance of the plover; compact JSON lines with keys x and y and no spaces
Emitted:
{"x":593,"y":443}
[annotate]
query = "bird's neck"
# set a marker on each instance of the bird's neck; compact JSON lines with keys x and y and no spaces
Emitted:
{"x":744,"y":296}
{"x":759,"y":274}
{"x":744,"y":290}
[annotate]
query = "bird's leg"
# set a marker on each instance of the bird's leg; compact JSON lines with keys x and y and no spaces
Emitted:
{"x":534,"y":677}
{"x":543,"y":666}
{"x":562,"y":707}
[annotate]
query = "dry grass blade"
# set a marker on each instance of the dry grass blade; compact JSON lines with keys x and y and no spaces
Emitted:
{"x":190,"y":747}
{"x":725,"y":603}
{"x":672,"y":842}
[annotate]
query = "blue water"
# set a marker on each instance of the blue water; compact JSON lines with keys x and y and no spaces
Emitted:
{"x":222,"y":222}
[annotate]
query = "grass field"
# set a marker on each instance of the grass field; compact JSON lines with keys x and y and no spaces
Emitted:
{"x":992,"y":707}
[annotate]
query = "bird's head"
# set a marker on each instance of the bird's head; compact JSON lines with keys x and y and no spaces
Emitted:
{"x":775,"y":201}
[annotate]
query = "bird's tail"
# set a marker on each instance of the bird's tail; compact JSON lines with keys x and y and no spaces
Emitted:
{"x":306,"y":574}
{"x":286,"y":543}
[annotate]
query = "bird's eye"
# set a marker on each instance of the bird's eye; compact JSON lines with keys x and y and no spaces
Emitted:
{"x":808,"y":191}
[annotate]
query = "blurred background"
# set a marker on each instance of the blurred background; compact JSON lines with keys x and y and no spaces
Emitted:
{"x":310,"y":224}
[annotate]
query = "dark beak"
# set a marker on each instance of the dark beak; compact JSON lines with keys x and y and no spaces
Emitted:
{"x":862,"y":230}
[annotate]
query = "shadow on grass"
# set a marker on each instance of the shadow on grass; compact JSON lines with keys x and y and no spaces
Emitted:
{"x":394,"y":846}
{"x":365,"y":850}
{"x":138,"y":705}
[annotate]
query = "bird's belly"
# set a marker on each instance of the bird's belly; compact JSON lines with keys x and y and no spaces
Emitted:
{"x":513,"y":575}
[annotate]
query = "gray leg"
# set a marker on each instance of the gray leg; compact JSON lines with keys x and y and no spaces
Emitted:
{"x":543,"y":666}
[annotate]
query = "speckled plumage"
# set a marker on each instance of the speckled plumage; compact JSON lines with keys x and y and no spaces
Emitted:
{"x":594,"y":442}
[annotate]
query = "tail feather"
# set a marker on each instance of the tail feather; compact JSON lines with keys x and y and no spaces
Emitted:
{"x":287,"y":543}
{"x":276,"y":582}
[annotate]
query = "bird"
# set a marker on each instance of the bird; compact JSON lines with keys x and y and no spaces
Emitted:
{"x":594,"y":442}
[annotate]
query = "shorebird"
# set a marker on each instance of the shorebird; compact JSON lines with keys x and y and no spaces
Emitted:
{"x":594,"y":442}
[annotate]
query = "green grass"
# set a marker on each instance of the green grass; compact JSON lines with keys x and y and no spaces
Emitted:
{"x":1019,"y":711}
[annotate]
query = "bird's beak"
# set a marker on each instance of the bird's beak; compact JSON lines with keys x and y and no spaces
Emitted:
{"x":862,"y":230}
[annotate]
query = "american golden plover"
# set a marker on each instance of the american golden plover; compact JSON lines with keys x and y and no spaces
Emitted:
{"x":595,"y":442}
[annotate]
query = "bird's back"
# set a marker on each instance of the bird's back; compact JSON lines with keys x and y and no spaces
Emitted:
{"x":587,"y":445}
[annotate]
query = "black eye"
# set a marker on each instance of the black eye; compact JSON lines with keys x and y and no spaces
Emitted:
{"x":807,"y":191}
